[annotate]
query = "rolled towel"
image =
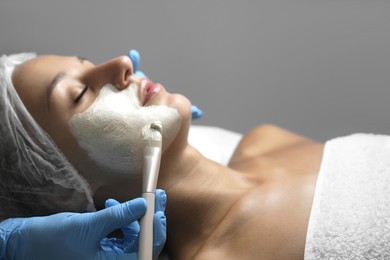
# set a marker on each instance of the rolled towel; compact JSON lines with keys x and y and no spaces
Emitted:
{"x":215,"y":143}
{"x":350,"y":217}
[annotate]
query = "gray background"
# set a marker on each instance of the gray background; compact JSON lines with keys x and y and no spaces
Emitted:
{"x":319,"y":68}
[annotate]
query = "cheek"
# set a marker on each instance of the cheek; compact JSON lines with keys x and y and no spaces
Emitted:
{"x":65,"y":142}
{"x":55,"y":123}
{"x":58,"y":129}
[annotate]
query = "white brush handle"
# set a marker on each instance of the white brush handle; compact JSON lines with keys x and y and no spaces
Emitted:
{"x":145,"y":249}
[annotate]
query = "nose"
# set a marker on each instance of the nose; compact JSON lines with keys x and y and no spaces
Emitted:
{"x":117,"y":72}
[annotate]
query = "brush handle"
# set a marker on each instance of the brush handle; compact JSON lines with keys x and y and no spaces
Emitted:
{"x":146,"y":236}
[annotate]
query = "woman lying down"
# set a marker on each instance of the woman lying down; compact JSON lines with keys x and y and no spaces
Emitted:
{"x":281,"y":195}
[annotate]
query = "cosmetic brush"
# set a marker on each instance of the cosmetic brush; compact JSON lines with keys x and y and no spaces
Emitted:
{"x":152,"y":140}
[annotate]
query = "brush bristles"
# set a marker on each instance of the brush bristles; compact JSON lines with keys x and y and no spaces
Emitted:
{"x":152,"y":134}
{"x":157,"y":126}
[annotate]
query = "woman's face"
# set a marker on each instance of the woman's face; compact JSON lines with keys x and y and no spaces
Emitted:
{"x":56,"y":88}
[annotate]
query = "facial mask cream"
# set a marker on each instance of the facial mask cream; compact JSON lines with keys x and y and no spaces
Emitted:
{"x":110,"y":129}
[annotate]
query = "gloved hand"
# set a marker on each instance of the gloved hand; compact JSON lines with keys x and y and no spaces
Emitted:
{"x":83,"y":235}
{"x":135,"y":59}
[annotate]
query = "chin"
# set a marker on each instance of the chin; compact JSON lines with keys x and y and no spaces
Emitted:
{"x":183,"y":106}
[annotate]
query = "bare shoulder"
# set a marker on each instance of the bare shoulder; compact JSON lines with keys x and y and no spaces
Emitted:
{"x":265,"y":139}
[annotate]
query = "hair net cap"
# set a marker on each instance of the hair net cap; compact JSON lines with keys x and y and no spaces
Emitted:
{"x":35,"y":176}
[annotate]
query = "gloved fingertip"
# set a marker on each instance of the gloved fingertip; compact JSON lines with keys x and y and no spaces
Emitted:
{"x":196,"y":112}
{"x":117,"y":216}
{"x":161,"y":200}
{"x":161,"y":193}
{"x":134,"y":54}
{"x":135,"y":59}
{"x":111,"y":202}
{"x":136,"y":207}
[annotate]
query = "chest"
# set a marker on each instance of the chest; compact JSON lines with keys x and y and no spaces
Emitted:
{"x":270,"y":220}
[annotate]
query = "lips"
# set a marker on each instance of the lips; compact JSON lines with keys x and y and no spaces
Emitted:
{"x":149,"y":89}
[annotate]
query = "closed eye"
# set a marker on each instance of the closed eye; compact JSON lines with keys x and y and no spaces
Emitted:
{"x":81,"y":94}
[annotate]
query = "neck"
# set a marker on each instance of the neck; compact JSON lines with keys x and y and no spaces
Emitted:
{"x":200,"y":194}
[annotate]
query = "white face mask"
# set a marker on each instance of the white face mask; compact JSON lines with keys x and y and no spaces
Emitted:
{"x":110,"y":129}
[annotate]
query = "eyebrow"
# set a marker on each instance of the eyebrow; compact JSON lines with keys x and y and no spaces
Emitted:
{"x":57,"y":78}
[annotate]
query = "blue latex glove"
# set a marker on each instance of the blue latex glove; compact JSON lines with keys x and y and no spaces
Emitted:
{"x":82,"y":235}
{"x":196,"y":112}
{"x":135,"y":59}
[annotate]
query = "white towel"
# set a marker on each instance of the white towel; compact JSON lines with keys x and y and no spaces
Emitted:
{"x":215,"y":143}
{"x":350,"y":216}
